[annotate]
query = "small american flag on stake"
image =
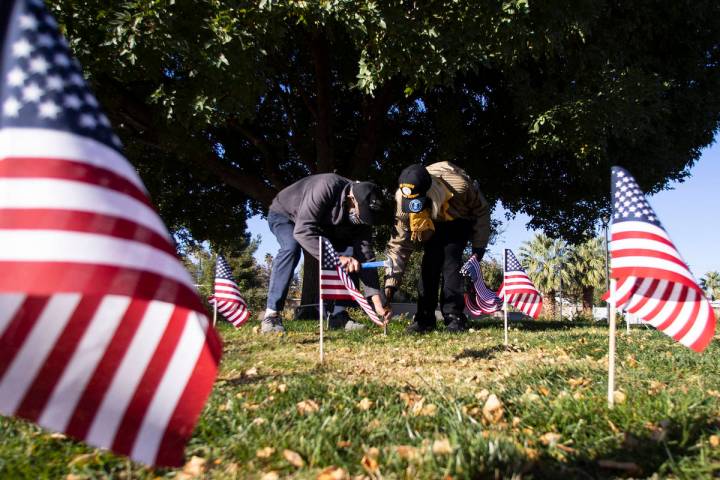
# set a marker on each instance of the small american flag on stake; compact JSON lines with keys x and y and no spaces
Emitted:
{"x":227,"y":295}
{"x":102,"y":334}
{"x":654,"y":282}
{"x":484,"y":300}
{"x":335,"y":283}
{"x":518,"y":289}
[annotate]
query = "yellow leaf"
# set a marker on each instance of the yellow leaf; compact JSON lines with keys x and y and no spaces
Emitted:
{"x":482,"y":395}
{"x":282,"y":388}
{"x":293,"y":458}
{"x":307,"y":407}
{"x":81,"y":459}
{"x":714,"y":441}
{"x":365,"y":404}
{"x":493,"y":409}
{"x":344,"y":444}
{"x":259,"y":421}
{"x":333,"y":473}
{"x":442,"y":447}
{"x":265,"y":452}
{"x":251,"y":372}
{"x":270,"y":476}
{"x":194,"y":467}
{"x":429,"y":410}
{"x":619,"y":397}
{"x":544,"y":391}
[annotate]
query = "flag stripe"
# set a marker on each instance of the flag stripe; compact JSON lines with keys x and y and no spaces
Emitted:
{"x":85,"y":360}
{"x":53,"y":168}
{"x":37,"y":395}
{"x":45,"y":143}
{"x":9,"y":307}
{"x":88,"y":222}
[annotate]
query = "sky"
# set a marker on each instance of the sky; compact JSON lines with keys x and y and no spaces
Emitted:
{"x":689,"y":211}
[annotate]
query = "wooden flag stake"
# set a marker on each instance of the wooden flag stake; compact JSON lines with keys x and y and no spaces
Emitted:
{"x":322,"y":310}
{"x":611,"y":353}
{"x":505,"y":305}
{"x":214,"y":312}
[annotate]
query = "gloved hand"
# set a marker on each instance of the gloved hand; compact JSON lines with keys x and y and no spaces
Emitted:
{"x":478,"y":252}
{"x":389,"y":294}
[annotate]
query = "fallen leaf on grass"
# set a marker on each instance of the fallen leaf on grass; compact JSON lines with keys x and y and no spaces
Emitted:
{"x":656,"y":387}
{"x":259,"y":421}
{"x":81,"y":459}
{"x":544,"y":391}
{"x":369,"y":464}
{"x":194,"y":467}
{"x":265,"y":452}
{"x":482,"y":395}
{"x":407,"y":452}
{"x":365,"y":404}
{"x":442,"y":447}
{"x":333,"y":473}
{"x":270,"y":476}
{"x":619,"y":397}
{"x":493,"y":409}
{"x":550,"y":438}
{"x":410,"y":398}
{"x":344,"y":443}
{"x":714,"y":441}
{"x":251,"y":372}
{"x":282,"y":388}
{"x":307,"y":407}
{"x":429,"y":410}
{"x":293,"y":458}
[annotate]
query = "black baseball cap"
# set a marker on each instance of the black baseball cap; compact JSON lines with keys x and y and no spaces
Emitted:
{"x":371,"y":202}
{"x":415,"y":181}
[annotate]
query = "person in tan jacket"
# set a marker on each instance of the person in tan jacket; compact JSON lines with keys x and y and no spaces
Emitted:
{"x":439,"y":209}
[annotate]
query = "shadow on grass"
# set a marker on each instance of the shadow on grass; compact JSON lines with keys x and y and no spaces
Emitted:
{"x":529,"y":325}
{"x":484,"y":353}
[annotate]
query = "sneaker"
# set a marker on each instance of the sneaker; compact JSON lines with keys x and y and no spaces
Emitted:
{"x":271,"y":324}
{"x":455,"y":323}
{"x":421,"y":324}
{"x":340,"y":321}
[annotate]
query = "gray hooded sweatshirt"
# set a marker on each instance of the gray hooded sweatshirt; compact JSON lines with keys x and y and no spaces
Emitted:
{"x":316,"y":205}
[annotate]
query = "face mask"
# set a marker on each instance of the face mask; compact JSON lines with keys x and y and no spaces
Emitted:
{"x":354,"y":217}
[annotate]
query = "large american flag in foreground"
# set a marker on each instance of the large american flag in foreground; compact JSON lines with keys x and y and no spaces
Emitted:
{"x":654,"y":282}
{"x":484,"y":300}
{"x":518,"y":289}
{"x":102,"y":335}
{"x":335,"y":283}
{"x":227,"y":295}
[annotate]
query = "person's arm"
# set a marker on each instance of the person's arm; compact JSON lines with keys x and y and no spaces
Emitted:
{"x":399,"y":249}
{"x":480,"y":210}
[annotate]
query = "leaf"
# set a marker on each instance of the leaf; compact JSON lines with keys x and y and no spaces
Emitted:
{"x":365,"y":404}
{"x":369,"y":464}
{"x":273,"y":475}
{"x":550,"y":438}
{"x":333,"y":473}
{"x":307,"y":407}
{"x":293,"y":458}
{"x":619,"y":397}
{"x":194,"y":467}
{"x":265,"y":452}
{"x":251,"y":372}
{"x":442,"y":447}
{"x":714,"y":441}
{"x":407,"y":452}
{"x":493,"y":409}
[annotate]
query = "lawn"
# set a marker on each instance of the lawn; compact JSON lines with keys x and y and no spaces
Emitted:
{"x":433,"y":406}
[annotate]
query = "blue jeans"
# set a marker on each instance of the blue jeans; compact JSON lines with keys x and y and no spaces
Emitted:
{"x":285,"y":261}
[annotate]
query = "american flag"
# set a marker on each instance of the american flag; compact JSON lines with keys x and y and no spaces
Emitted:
{"x":518,"y":288}
{"x":485,"y":300}
{"x":653,"y":281}
{"x":335,"y":283}
{"x":102,"y":334}
{"x":227,"y":295}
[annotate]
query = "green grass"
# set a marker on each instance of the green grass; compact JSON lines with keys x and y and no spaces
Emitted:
{"x":424,"y":390}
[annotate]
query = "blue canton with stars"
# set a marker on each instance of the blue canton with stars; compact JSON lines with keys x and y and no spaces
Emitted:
{"x":223,"y":270}
{"x":511,"y":263}
{"x":629,"y":202}
{"x":42,"y":83}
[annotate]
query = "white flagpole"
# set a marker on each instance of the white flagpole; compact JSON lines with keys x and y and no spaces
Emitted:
{"x":505,"y":309}
{"x":322,"y":310}
{"x":611,"y":353}
{"x":214,"y":312}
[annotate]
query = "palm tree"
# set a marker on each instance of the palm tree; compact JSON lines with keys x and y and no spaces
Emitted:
{"x":544,"y":260}
{"x":711,"y":284}
{"x":587,"y":270}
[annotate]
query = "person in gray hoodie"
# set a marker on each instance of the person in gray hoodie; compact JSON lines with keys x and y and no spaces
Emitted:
{"x":338,"y":209}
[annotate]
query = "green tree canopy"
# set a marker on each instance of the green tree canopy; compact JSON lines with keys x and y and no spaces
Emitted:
{"x":711,"y":284}
{"x":223,"y":103}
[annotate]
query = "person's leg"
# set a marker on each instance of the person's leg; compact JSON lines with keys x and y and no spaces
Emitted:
{"x":453,"y":302}
{"x":283,"y":266}
{"x":429,"y":283}
{"x":340,"y":318}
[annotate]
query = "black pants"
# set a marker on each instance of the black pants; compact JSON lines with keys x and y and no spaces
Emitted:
{"x":443,"y":258}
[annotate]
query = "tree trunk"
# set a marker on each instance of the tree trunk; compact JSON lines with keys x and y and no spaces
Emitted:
{"x":587,"y":301}
{"x":549,"y":304}
{"x":310,"y":289}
